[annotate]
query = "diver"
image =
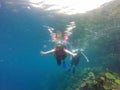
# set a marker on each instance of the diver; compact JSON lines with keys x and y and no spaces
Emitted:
{"x":76,"y":59}
{"x":60,"y":51}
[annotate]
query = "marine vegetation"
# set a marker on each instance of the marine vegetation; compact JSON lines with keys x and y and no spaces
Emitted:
{"x":105,"y":81}
{"x":88,"y":79}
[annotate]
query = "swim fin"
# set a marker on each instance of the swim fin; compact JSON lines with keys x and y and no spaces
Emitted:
{"x":64,"y":64}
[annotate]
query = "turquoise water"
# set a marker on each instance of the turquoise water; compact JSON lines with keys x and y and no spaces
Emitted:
{"x":22,"y":37}
{"x":23,"y":34}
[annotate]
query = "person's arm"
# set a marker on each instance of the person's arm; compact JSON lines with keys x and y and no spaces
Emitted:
{"x":69,"y":52}
{"x":47,"y":52}
{"x":85,"y":56}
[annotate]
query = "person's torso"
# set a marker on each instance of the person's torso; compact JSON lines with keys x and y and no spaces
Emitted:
{"x":60,"y":51}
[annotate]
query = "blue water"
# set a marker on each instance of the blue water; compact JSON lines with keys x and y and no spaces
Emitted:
{"x":22,"y":36}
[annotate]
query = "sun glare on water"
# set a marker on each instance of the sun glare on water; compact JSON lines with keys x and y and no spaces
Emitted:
{"x":67,"y":6}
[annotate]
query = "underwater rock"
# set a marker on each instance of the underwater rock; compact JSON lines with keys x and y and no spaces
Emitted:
{"x":83,"y":84}
{"x":102,"y":78}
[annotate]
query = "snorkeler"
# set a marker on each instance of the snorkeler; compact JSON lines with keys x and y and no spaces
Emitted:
{"x":75,"y":60}
{"x":60,"y":50}
{"x":60,"y":53}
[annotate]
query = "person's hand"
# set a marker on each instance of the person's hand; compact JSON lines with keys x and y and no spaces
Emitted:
{"x":42,"y":53}
{"x":74,"y":54}
{"x":87,"y":60}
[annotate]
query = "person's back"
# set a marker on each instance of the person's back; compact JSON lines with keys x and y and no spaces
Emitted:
{"x":75,"y":60}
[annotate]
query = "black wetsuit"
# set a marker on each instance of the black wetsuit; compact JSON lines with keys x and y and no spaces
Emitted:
{"x":75,"y":61}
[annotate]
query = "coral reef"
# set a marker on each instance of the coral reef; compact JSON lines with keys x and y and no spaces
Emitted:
{"x":88,"y":79}
{"x":104,"y":81}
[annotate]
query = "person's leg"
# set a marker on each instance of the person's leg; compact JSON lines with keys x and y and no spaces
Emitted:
{"x":58,"y":62}
{"x":70,"y":68}
{"x":74,"y":68}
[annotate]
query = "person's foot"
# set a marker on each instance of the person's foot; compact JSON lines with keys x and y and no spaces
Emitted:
{"x":64,"y":64}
